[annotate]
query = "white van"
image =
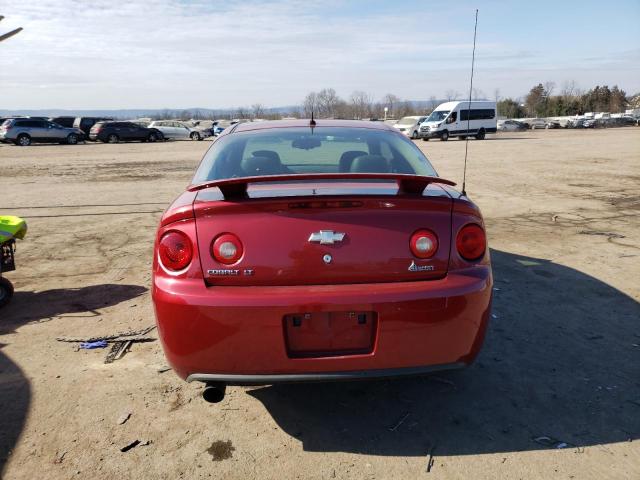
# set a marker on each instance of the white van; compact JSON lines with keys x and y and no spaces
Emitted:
{"x":451,"y":119}
{"x":410,"y":125}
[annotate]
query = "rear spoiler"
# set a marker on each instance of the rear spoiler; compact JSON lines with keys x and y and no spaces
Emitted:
{"x":237,"y":187}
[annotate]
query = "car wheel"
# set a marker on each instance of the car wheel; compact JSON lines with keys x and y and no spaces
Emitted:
{"x":195,"y":136}
{"x":72,"y":139}
{"x":480,"y":135}
{"x":425,"y":139}
{"x":547,"y":127}
{"x":23,"y":140}
{"x":6,"y":291}
{"x":445,"y":136}
{"x":414,"y":135}
{"x":152,"y":137}
{"x":113,"y":138}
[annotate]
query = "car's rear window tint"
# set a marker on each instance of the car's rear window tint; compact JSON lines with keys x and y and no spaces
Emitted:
{"x":278,"y":151}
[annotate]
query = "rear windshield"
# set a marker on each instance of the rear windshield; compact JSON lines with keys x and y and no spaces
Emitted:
{"x":281,"y":151}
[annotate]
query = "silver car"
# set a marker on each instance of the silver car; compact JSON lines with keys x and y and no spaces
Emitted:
{"x":25,"y":131}
{"x":178,"y":130}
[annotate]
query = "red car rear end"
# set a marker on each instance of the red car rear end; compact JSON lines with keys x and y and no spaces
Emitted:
{"x":317,"y":253}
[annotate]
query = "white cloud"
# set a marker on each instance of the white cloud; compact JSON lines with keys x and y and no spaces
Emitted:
{"x":171,"y":53}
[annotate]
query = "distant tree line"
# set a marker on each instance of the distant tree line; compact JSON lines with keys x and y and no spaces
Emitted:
{"x":326,"y":103}
{"x":541,"y":101}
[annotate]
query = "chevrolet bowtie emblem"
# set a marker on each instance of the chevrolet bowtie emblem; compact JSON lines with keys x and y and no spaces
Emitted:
{"x":326,"y":237}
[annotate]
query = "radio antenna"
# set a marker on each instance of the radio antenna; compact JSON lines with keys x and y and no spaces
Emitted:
{"x":466,"y":145}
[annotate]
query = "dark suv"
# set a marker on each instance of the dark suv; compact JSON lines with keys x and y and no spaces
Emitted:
{"x":114,"y":132}
{"x":86,"y":123}
{"x":25,"y":131}
{"x":64,"y":121}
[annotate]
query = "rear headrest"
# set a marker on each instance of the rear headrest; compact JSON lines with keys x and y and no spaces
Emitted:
{"x":370,"y":164}
{"x":268,"y":154}
{"x":256,"y":166}
{"x":346,"y":159}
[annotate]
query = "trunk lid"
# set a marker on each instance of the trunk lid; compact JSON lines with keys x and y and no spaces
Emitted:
{"x":280,"y":227}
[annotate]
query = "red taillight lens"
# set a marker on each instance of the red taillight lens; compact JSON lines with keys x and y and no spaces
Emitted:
{"x":227,"y":248}
{"x":424,"y":244}
{"x":175,"y":250}
{"x":471,"y":242}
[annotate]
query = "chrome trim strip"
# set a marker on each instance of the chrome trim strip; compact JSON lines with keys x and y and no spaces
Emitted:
{"x":269,"y":379}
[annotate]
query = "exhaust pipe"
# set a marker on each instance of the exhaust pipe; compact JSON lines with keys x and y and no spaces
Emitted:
{"x":214,"y":392}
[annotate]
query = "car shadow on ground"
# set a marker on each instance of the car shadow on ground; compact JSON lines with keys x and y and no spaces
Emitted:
{"x":560,"y":361}
{"x":15,"y":388}
{"x":15,"y":397}
{"x":27,"y":307}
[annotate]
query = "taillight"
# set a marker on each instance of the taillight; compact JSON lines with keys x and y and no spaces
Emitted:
{"x":227,"y":248}
{"x":424,"y":244}
{"x":175,"y":250}
{"x":471,"y":242}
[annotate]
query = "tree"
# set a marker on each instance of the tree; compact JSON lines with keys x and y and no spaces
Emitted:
{"x":433,"y":103}
{"x":451,"y":95}
{"x":361,"y":104}
{"x":327,"y":102}
{"x":478,"y":94}
{"x":390,"y":101}
{"x":535,"y":100}
{"x":257,"y":110}
{"x":510,"y":108}
{"x":309,"y":105}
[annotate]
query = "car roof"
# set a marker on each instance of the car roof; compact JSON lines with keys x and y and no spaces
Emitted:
{"x":268,"y":124}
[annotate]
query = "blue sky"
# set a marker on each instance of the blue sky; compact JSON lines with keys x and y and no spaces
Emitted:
{"x":195,"y":53}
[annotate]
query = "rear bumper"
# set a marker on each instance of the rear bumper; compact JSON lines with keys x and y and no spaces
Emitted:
{"x":231,"y":379}
{"x":235,"y":335}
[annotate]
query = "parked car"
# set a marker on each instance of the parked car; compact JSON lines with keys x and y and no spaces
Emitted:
{"x":535,"y":123}
{"x":510,"y":126}
{"x":25,"y":131}
{"x":173,"y":129}
{"x":63,"y":121}
{"x":301,"y":270}
{"x":575,"y":123}
{"x":460,"y":119}
{"x":410,"y":126}
{"x":114,"y":132}
{"x":86,"y":123}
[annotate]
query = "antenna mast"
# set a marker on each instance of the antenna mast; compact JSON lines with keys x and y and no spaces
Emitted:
{"x":466,"y":145}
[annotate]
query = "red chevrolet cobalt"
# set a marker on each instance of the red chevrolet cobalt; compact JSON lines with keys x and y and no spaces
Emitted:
{"x":315,"y":251}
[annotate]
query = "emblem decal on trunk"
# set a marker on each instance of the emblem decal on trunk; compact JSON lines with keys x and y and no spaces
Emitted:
{"x":229,"y":272}
{"x":326,"y":237}
{"x":420,"y":268}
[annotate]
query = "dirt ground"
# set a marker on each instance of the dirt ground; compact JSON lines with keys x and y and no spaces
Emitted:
{"x":561,"y":358}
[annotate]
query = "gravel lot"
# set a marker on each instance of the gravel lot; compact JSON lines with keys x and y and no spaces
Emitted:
{"x":561,"y":359}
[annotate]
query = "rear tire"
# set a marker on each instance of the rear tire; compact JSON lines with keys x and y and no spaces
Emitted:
{"x":445,"y":136}
{"x":195,"y":136}
{"x":481,"y":134}
{"x":425,"y":139}
{"x":113,"y":138}
{"x":72,"y":139}
{"x":23,"y":140}
{"x":414,"y":135}
{"x":152,"y":137}
{"x":6,"y":291}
